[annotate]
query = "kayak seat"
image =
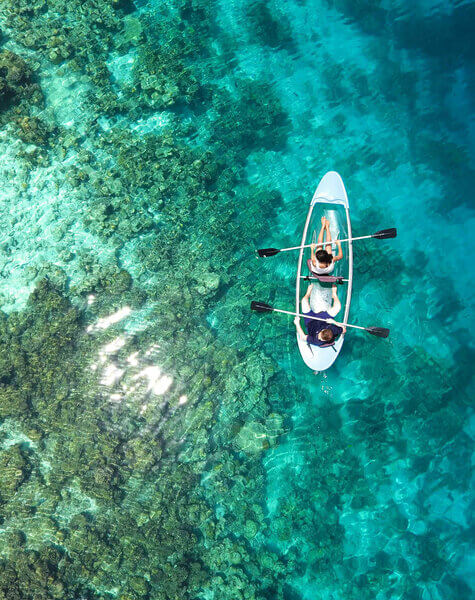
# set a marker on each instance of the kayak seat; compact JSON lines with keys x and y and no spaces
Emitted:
{"x":327,"y":345}
{"x":322,"y":278}
{"x":322,"y":346}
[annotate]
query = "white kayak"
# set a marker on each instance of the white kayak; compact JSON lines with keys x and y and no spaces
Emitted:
{"x":330,"y":200}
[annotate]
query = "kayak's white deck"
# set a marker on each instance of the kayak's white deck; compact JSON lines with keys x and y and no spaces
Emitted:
{"x":330,"y":200}
{"x":331,"y":190}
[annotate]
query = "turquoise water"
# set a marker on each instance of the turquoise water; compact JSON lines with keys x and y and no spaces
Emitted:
{"x":157,"y":439}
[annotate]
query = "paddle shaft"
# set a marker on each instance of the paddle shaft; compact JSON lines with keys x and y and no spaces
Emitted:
{"x":363,"y":237}
{"x":287,"y":312}
{"x":310,"y":277}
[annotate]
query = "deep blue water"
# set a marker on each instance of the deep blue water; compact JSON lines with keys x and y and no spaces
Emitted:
{"x":158,"y":439}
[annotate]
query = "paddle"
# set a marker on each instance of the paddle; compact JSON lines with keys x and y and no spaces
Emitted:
{"x":263,"y":307}
{"x":384,"y":234}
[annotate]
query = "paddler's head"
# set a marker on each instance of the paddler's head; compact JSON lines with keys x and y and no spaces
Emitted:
{"x":323,"y":258}
{"x":326,"y":335}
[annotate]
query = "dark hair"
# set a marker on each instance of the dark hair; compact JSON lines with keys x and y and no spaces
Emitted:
{"x":323,"y":257}
{"x":327,"y":335}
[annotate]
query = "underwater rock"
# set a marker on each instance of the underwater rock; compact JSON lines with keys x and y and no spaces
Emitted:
{"x":236,"y":382}
{"x":17,"y":84}
{"x":33,"y":130}
{"x":263,"y":123}
{"x":139,"y":585}
{"x":14,"y":470}
{"x":102,"y":278}
{"x":13,"y":402}
{"x":142,"y":454}
{"x":274,"y":426}
{"x":16,"y":538}
{"x":120,"y":282}
{"x":209,"y":283}
{"x":250,"y":529}
{"x":282,"y":527}
{"x":270,"y":29}
{"x":6,"y":365}
{"x":161,"y":78}
{"x":251,"y":438}
{"x":133,"y":31}
{"x":127,"y":6}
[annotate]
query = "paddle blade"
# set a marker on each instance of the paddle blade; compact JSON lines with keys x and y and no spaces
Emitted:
{"x":268,"y":251}
{"x":260,"y":306}
{"x":381,"y":332}
{"x":384,"y":234}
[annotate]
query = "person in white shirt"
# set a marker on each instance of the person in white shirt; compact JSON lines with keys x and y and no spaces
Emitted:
{"x":323,"y":261}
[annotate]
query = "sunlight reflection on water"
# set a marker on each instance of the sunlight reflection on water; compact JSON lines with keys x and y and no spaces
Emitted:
{"x":106,"y":322}
{"x":149,"y":380}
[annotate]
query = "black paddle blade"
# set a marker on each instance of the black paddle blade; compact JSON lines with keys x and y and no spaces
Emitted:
{"x":384,"y":234}
{"x":268,"y":251}
{"x":381,"y":332}
{"x":260,"y":306}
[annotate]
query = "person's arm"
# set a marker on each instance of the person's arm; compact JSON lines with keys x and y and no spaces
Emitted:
{"x":320,"y":235}
{"x":300,"y":332}
{"x":329,"y":237}
{"x":312,"y":255}
{"x":342,"y":327}
{"x":339,"y":256}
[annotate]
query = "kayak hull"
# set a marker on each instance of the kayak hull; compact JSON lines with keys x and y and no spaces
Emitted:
{"x":330,"y":199}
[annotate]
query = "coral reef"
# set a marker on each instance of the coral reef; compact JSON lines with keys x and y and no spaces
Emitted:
{"x":65,"y":30}
{"x":263,"y":123}
{"x":160,"y":77}
{"x":18,"y":88}
{"x":13,"y":471}
{"x":33,"y":130}
{"x":268,"y":28}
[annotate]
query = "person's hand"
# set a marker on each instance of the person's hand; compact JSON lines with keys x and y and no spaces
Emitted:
{"x":297,"y":320}
{"x":327,"y":224}
{"x":313,"y":246}
{"x":323,"y":221}
{"x":344,"y":330}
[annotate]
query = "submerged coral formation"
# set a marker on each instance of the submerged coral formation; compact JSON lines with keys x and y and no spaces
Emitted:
{"x":81,"y":468}
{"x":158,"y":441}
{"x":18,"y":88}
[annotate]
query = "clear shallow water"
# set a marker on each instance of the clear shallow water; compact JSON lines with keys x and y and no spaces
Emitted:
{"x":160,"y":441}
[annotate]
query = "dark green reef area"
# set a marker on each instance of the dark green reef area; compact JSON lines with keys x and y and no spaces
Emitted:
{"x":140,"y":401}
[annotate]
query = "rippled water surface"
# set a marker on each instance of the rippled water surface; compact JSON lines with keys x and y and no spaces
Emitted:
{"x":157,"y":439}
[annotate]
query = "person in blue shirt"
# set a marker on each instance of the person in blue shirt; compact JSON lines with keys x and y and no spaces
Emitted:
{"x":320,"y":333}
